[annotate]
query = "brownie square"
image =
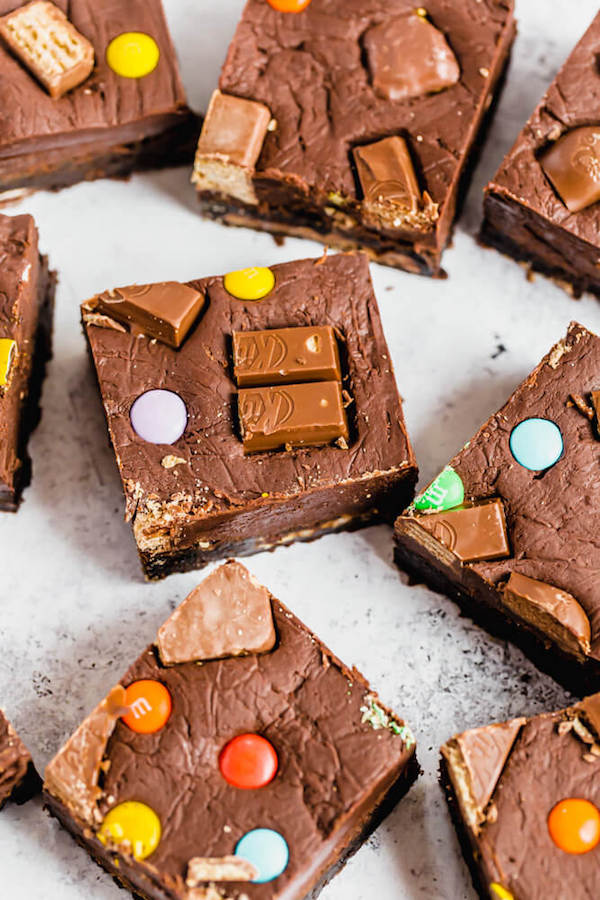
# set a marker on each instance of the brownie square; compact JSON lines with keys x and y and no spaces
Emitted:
{"x":19,"y":780}
{"x":525,"y":798}
{"x":509,"y":528}
{"x":285,"y":738}
{"x":525,"y":214}
{"x":340,"y":78}
{"x":26,"y":306}
{"x":107,"y":125}
{"x":202,"y":497}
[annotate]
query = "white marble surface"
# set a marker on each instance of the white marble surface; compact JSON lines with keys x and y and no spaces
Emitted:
{"x":75,"y":610}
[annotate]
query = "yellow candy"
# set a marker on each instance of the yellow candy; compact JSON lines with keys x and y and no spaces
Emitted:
{"x":132,"y":823}
{"x":250,"y":284}
{"x":133,"y":54}
{"x":8,"y":348}
{"x":500,"y":892}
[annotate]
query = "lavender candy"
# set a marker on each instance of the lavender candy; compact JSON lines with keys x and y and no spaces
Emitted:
{"x":159,"y":417}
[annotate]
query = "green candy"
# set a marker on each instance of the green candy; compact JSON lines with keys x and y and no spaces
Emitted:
{"x":446,"y":492}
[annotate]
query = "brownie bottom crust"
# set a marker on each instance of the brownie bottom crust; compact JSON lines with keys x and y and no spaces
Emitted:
{"x":31,"y":411}
{"x":481,"y":603}
{"x":524,"y":235}
{"x":127,"y":875}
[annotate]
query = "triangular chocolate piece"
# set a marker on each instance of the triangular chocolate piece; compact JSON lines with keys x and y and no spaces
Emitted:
{"x":229,"y":614}
{"x":590,"y":710}
{"x":484,"y":755}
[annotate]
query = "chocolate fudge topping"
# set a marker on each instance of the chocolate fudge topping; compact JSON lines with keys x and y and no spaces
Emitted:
{"x":107,"y":124}
{"x":338,"y":76}
{"x":531,"y":211}
{"x":18,"y":779}
{"x":323,"y":722}
{"x":552,"y":516}
{"x":549,"y":762}
{"x":217,"y":499}
{"x":26,"y":302}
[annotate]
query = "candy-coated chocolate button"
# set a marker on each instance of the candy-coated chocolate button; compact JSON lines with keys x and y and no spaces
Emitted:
{"x":446,"y":492}
{"x":7,"y":350}
{"x":293,"y":6}
{"x":574,"y":825}
{"x":268,"y":852}
{"x":159,"y":417}
{"x":500,"y":892}
{"x":134,"y":823}
{"x":149,"y":705}
{"x":133,"y":54}
{"x":250,"y":284}
{"x":536,"y":444}
{"x":248,"y":761}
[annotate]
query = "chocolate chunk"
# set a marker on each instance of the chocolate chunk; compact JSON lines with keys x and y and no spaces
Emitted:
{"x":229,"y":614}
{"x":590,"y":709}
{"x":224,"y":868}
{"x":409,"y":57}
{"x":471,"y":532}
{"x":271,"y":417}
{"x":165,"y":311}
{"x":573,"y":166}
{"x":286,"y":356}
{"x":391,"y":194}
{"x":49,"y":45}
{"x":231,"y":141}
{"x":73,"y":773}
{"x":551,"y":602}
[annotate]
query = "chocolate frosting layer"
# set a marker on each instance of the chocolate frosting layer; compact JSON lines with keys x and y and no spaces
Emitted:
{"x":16,"y":766}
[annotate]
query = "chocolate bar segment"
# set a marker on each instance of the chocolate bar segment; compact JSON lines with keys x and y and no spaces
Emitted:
{"x":49,"y":45}
{"x":165,"y":311}
{"x":273,"y":417}
{"x":572,"y":164}
{"x":472,"y":533}
{"x":286,"y":356}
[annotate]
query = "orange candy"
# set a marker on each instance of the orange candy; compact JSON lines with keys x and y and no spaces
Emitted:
{"x":149,"y":705}
{"x":293,"y":6}
{"x":249,"y":761}
{"x":574,"y":825}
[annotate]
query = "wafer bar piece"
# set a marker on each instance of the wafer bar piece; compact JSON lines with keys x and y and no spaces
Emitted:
{"x":286,"y":356}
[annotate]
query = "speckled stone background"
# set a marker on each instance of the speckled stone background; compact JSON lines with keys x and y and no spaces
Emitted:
{"x":75,"y":610}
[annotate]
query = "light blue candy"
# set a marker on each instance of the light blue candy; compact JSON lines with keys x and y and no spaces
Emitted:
{"x":536,"y":444}
{"x":267,"y":850}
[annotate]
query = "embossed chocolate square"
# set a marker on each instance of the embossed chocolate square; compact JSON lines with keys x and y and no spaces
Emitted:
{"x":276,"y":419}
{"x":315,"y":93}
{"x":238,"y":770}
{"x":509,"y":528}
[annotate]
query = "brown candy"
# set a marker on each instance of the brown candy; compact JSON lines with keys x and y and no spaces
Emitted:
{"x":472,"y":532}
{"x":558,"y":605}
{"x":409,"y":57}
{"x":391,"y":191}
{"x":42,"y":37}
{"x":228,"y":614}
{"x":573,"y":166}
{"x":165,"y":311}
{"x":286,"y":356}
{"x":273,"y":417}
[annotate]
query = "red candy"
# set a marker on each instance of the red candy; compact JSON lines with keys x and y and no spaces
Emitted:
{"x":248,"y":761}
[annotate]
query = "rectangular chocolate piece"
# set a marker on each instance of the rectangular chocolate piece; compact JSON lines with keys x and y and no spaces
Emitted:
{"x":294,"y":415}
{"x":387,"y":77}
{"x":511,"y":786}
{"x":542,"y":205}
{"x":26,"y":305}
{"x":19,"y":780}
{"x":472,"y":533}
{"x":312,"y":721}
{"x":165,"y":311}
{"x":286,"y":356}
{"x":202,"y":497}
{"x":42,"y":37}
{"x":109,"y":124}
{"x":532,"y":460}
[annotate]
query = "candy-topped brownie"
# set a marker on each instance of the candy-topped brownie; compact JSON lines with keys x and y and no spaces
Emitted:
{"x":525,"y":797}
{"x":251,"y":410}
{"x":88,"y":88}
{"x":26,"y":306}
{"x":509,"y":529}
{"x":542,"y":205}
{"x":19,"y":780}
{"x":353,"y":122}
{"x":237,"y":759}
